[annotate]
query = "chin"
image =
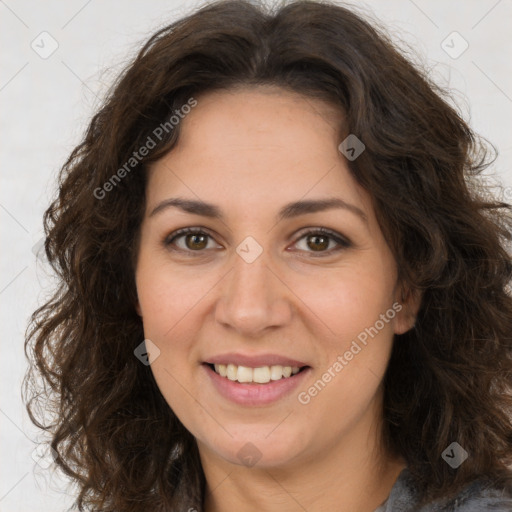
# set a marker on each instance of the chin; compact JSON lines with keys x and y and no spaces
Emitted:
{"x":254,"y":449}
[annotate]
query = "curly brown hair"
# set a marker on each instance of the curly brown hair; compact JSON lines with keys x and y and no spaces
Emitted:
{"x":448,"y":379}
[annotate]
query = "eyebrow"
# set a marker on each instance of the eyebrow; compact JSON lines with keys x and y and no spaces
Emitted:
{"x":288,"y":211}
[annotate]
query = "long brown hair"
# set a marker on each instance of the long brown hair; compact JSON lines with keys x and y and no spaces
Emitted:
{"x":448,"y":379}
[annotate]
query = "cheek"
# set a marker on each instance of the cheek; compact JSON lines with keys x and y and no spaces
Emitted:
{"x":348,"y":300}
{"x":167,"y":301}
{"x":167,"y":295}
{"x":355,"y":348}
{"x":354,"y":311}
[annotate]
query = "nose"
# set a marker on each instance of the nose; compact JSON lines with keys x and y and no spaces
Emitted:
{"x":253,"y":298}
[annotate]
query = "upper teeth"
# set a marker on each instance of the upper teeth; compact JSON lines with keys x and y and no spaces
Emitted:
{"x":261,"y":375}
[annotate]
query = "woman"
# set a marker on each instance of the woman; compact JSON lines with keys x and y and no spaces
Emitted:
{"x":282,"y":286}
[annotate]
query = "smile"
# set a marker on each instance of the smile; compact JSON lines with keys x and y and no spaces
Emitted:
{"x":260,"y":375}
{"x":256,"y":386}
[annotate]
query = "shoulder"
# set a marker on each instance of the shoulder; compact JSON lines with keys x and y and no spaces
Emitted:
{"x":479,"y":496}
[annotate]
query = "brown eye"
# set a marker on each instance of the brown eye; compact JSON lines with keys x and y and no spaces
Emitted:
{"x":322,"y":242}
{"x":189,"y":240}
{"x":318,"y":242}
{"x":196,"y":241}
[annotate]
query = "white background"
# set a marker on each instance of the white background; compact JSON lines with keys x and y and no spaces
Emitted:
{"x":46,"y":104}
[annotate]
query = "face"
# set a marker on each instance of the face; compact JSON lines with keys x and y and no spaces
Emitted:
{"x":285,"y":271}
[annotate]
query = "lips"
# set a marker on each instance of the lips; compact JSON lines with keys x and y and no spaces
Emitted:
{"x":254,"y":361}
{"x":251,"y":394}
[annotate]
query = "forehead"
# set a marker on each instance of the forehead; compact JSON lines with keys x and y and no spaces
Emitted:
{"x":264,"y":145}
{"x":228,"y":129}
{"x":261,"y":113}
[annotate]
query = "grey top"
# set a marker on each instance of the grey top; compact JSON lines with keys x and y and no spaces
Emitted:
{"x":474,"y":498}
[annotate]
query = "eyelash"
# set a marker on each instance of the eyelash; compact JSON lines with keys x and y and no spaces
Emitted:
{"x":342,"y":243}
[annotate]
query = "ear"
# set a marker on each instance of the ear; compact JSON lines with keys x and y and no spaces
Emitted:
{"x":137,"y":308}
{"x":410,"y":301}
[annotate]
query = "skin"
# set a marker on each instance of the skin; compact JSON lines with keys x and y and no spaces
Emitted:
{"x":250,"y":151}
